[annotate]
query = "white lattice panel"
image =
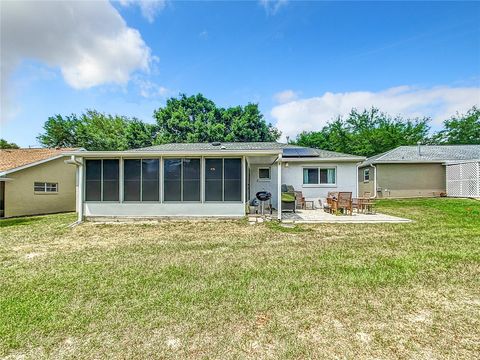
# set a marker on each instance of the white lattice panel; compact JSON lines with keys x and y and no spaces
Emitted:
{"x":463,"y":180}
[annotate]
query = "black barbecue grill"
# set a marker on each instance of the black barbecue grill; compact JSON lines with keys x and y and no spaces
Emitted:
{"x":264,"y":196}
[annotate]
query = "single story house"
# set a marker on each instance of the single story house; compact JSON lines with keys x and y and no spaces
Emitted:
{"x":35,"y":181}
{"x":204,"y":179}
{"x":412,"y":171}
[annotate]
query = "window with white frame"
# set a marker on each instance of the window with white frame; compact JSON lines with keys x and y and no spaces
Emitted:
{"x":319,"y":176}
{"x":264,"y":173}
{"x":366,"y":175}
{"x":45,"y":187}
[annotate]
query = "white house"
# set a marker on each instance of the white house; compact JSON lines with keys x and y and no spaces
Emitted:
{"x":204,"y":179}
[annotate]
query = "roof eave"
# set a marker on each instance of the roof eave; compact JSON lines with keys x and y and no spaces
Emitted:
{"x":26,"y":166}
{"x":170,"y":153}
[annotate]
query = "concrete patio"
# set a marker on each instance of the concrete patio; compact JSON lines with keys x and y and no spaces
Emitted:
{"x":320,"y":216}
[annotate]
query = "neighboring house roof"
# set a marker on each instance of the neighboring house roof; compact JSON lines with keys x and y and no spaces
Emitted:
{"x":288,"y":150}
{"x":426,"y":153}
{"x":16,"y":159}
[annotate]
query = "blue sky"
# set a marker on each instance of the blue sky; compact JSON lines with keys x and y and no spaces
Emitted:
{"x":303,"y":62}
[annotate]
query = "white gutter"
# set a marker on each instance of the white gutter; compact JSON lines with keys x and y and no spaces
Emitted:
{"x":73,"y":161}
{"x":79,"y":174}
{"x":137,"y":154}
{"x":374,"y":180}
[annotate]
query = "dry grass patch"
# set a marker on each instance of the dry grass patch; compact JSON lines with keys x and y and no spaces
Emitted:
{"x":225,"y":289}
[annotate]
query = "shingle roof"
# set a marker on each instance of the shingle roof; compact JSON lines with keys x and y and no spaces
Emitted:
{"x":428,"y":153}
{"x":14,"y":158}
{"x":210,"y":146}
{"x":239,"y":146}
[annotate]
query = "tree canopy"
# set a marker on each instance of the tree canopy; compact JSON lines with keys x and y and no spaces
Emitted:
{"x":4,"y":144}
{"x":366,"y":133}
{"x":460,"y":129}
{"x":197,"y":119}
{"x":93,"y":130}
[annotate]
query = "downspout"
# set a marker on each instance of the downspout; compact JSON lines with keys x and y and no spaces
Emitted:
{"x":374,"y":180}
{"x":79,"y":174}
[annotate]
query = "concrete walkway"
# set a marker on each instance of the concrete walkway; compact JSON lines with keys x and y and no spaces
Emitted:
{"x":320,"y":216}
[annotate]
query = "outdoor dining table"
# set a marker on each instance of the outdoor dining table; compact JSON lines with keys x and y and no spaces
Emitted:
{"x":366,"y":206}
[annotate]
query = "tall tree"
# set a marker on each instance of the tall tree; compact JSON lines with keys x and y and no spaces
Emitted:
{"x":366,"y":133}
{"x":197,"y":119}
{"x":461,"y":129}
{"x":4,"y":144}
{"x":93,"y":130}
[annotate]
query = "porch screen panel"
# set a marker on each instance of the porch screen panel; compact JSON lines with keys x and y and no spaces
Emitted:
{"x":191,"y":179}
{"x":131,"y":180}
{"x":232,"y":180}
{"x":213,"y":179}
{"x":110,"y":180}
{"x":93,"y":180}
{"x":150,"y":180}
{"x":172,"y":183}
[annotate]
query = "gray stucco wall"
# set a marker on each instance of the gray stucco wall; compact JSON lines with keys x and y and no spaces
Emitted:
{"x":410,"y":180}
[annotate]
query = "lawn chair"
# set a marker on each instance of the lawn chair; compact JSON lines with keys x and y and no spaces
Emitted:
{"x":288,"y":198}
{"x":330,"y":206}
{"x":344,"y":202}
{"x":299,"y":200}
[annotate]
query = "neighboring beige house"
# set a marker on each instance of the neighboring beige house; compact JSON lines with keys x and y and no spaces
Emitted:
{"x":411,"y":171}
{"x":36,"y":181}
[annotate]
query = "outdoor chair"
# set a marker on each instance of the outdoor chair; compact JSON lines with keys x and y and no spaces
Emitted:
{"x":330,"y":205}
{"x":288,"y":198}
{"x":344,"y":202}
{"x":300,"y":200}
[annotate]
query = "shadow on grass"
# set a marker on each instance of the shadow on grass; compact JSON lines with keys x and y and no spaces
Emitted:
{"x":18,"y":221}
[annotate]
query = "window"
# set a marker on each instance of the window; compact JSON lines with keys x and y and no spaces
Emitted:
{"x":181,"y":179}
{"x":319,"y":176}
{"x":264,"y":173}
{"x":223,"y":179}
{"x":366,"y":175}
{"x":45,"y":187}
{"x":141,"y":180}
{"x":102,"y":180}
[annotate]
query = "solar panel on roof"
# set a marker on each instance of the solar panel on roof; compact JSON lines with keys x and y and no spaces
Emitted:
{"x":299,"y":152}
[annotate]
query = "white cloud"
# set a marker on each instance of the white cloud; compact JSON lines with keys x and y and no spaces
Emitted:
{"x":312,"y":114}
{"x":88,"y":40}
{"x":149,"y":8}
{"x":149,"y":89}
{"x":285,"y":96}
{"x":272,"y":6}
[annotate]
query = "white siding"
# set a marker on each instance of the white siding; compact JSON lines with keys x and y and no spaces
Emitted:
{"x":158,"y":209}
{"x":257,"y":185}
{"x":293,"y":175}
{"x":346,"y":179}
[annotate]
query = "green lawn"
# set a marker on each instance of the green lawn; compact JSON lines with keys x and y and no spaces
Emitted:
{"x":227,"y":289}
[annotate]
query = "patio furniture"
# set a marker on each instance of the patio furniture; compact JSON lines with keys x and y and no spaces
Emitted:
{"x":364,"y":204}
{"x":343,"y":202}
{"x":288,"y":198}
{"x":300,"y":200}
{"x":311,"y":203}
{"x":330,"y":205}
